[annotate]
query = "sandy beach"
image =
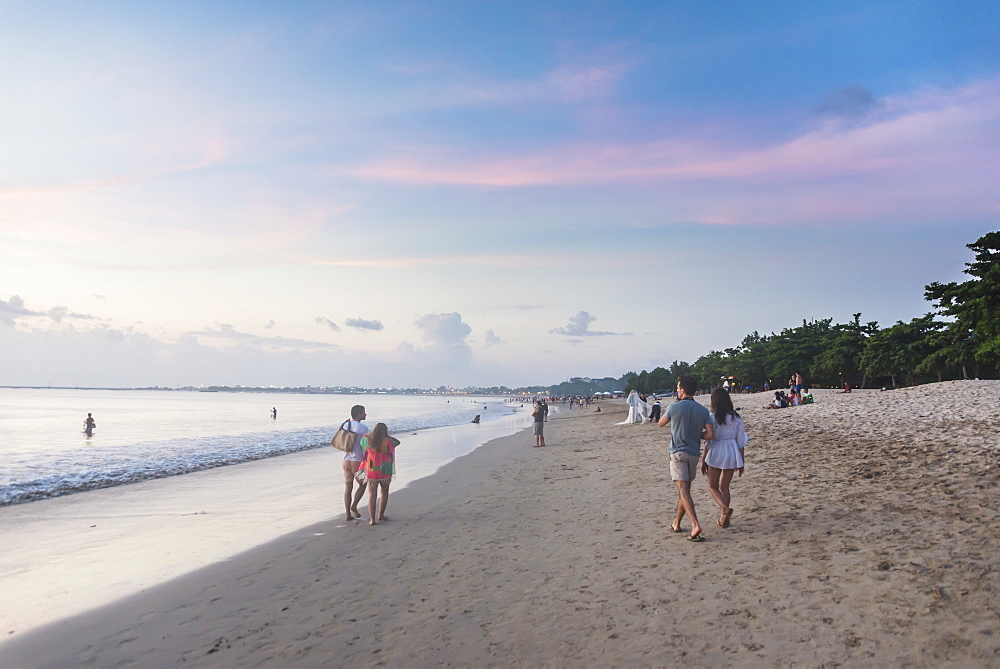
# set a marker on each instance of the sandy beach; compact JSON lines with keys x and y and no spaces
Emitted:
{"x":865,"y":533}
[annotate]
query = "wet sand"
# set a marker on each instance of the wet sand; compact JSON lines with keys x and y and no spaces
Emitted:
{"x":67,"y":555}
{"x":865,"y":532}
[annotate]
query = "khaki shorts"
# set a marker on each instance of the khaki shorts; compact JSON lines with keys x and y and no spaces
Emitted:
{"x":683,"y":467}
{"x":351,"y":468}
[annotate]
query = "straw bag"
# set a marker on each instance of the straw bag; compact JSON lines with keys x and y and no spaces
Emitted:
{"x":344,"y":439}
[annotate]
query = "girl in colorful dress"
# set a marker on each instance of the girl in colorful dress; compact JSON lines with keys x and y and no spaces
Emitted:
{"x":378,"y":468}
{"x":724,"y":453}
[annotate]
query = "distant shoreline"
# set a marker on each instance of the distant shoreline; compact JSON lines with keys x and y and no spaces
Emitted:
{"x":295,"y":391}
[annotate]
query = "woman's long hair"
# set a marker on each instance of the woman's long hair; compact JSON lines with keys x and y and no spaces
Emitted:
{"x":377,"y":437}
{"x":722,"y":406}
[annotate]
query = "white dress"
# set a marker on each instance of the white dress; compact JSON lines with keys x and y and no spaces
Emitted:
{"x":723,"y":452}
{"x":638,"y":410}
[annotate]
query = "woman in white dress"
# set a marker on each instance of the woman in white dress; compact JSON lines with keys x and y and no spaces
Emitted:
{"x":724,"y":454}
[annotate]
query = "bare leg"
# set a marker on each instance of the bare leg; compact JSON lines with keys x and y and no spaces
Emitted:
{"x":348,"y":493}
{"x":725,"y":479}
{"x":684,"y":489}
{"x":384,"y":502}
{"x":372,"y":501}
{"x":678,"y":517}
{"x":357,"y":498}
{"x":713,"y":488}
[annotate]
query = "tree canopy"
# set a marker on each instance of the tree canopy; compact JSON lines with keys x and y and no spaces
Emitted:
{"x":960,"y":336}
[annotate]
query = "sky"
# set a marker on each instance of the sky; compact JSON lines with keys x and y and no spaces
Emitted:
{"x":417,"y":193}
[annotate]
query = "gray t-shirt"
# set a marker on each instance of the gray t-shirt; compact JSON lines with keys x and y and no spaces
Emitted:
{"x":687,"y":418}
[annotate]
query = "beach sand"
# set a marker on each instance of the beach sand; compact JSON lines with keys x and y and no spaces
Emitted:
{"x":865,"y":532}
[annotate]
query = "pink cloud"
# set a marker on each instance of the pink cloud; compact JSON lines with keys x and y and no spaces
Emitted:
{"x":571,"y":259}
{"x":923,"y":156}
{"x":925,"y":132}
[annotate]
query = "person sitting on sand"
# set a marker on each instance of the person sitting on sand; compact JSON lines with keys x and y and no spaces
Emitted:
{"x":847,"y":388}
{"x":689,"y":422}
{"x":724,"y":452}
{"x":779,"y":401}
{"x":378,"y":468}
{"x":352,"y":462}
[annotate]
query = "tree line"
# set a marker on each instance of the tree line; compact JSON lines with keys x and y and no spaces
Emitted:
{"x":958,"y":338}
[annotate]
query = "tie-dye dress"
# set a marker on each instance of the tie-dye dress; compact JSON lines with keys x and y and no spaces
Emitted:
{"x":379,"y":464}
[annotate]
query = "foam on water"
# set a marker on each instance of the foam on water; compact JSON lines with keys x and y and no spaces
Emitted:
{"x":59,"y":472}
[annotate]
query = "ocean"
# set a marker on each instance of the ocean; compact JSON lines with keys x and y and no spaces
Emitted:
{"x":143,"y":435}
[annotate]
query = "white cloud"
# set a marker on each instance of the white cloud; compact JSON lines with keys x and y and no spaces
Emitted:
{"x":491,"y":339}
{"x":364,"y":324}
{"x":444,"y":329}
{"x":14,"y":309}
{"x":579,"y":326}
{"x":327,"y":322}
{"x":227,"y":333}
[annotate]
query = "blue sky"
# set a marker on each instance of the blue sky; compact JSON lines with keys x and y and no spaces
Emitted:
{"x":454,"y":193}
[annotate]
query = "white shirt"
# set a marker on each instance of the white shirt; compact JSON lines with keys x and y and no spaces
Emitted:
{"x":359,"y":429}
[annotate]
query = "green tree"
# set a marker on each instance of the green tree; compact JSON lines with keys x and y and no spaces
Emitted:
{"x":659,"y":379}
{"x":951,"y":350}
{"x":708,"y":369}
{"x":840,"y":359}
{"x":897,"y":351}
{"x":975,"y":304}
{"x":678,"y":369}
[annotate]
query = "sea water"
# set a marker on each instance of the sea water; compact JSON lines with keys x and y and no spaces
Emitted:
{"x":148,"y":434}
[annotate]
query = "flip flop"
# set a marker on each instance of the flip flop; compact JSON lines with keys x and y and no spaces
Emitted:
{"x":676,"y":529}
{"x":696,"y":538}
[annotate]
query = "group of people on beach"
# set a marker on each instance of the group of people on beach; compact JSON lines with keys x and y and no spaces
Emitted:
{"x":370,"y":465}
{"x":798,"y":393}
{"x":725,"y":438}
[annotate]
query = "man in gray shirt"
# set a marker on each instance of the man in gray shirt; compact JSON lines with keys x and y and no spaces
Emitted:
{"x":689,"y":422}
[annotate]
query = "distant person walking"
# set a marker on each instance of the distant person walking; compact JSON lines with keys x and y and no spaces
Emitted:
{"x":539,"y":421}
{"x":689,"y":423}
{"x":89,"y":425}
{"x":352,"y":462}
{"x":274,"y":413}
{"x":724,"y":452}
{"x":378,"y":469}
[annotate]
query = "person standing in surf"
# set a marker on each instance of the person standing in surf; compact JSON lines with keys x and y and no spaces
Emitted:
{"x":89,"y":425}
